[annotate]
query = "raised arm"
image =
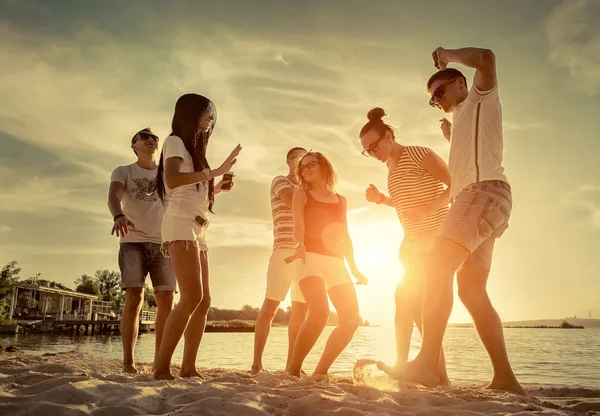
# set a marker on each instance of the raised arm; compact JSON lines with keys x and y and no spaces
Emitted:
{"x":174,"y":178}
{"x":483,"y":60}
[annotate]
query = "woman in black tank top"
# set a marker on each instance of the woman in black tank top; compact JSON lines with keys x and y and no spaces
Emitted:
{"x":321,"y":234}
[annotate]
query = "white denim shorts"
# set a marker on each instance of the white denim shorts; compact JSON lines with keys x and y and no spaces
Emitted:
{"x":329,"y":268}
{"x":183,"y":229}
{"x":281,"y":276}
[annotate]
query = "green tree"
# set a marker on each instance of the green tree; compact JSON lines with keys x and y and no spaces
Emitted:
{"x":9,"y":277}
{"x":36,"y":280}
{"x":109,"y":283}
{"x":149,"y":300}
{"x":88,"y":284}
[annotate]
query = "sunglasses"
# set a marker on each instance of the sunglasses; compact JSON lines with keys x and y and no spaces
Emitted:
{"x":308,"y":166}
{"x":439,"y":92}
{"x":374,"y":147}
{"x":145,"y":136}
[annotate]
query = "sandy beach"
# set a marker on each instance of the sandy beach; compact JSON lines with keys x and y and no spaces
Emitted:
{"x":74,"y":384}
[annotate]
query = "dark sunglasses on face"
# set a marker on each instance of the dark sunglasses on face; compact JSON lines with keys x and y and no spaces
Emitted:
{"x":146,"y":136}
{"x":374,"y":147}
{"x":439,"y":92}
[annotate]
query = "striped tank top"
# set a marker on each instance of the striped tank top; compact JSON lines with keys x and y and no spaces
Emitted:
{"x":411,"y":186}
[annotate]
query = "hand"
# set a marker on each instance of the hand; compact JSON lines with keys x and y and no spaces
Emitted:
{"x":360,"y":278}
{"x":446,"y":127}
{"x":418,"y":214}
{"x":300,"y":253}
{"x":439,"y":58}
{"x":220,"y":184}
{"x":120,"y":227}
{"x":372,"y":194}
{"x":229,"y":162}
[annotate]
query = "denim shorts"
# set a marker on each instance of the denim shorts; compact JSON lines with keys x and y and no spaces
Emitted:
{"x":136,"y":260}
{"x":478,"y":216}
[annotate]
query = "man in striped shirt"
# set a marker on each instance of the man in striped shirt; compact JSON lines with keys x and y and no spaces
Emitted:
{"x":481,"y":208}
{"x":280,"y":274}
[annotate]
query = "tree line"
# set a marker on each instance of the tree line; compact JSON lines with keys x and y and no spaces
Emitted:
{"x":106,"y":284}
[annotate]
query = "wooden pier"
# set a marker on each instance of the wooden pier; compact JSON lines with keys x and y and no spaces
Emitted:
{"x":90,"y":327}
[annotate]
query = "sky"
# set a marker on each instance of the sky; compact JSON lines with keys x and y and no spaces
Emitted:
{"x":78,"y":79}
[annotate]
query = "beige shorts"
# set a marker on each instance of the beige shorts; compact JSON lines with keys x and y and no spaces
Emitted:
{"x":329,"y":268}
{"x":183,"y":229}
{"x":281,"y":276}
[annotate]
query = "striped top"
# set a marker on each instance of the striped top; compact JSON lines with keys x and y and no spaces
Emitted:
{"x":411,"y":186}
{"x":283,"y":221}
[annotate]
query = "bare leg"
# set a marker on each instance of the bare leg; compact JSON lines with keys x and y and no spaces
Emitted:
{"x":344,"y":300}
{"x":197,"y":324}
{"x":297,"y":318}
{"x":261,"y":332}
{"x":404,"y":319}
{"x":472,"y":281}
{"x":186,"y":265}
{"x":313,"y":290}
{"x":130,"y":326}
{"x":164,"y":306}
{"x":444,"y":259}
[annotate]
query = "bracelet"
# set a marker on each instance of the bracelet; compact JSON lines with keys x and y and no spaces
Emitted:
{"x":381,"y":198}
{"x":207,"y":173}
{"x":118,"y":216}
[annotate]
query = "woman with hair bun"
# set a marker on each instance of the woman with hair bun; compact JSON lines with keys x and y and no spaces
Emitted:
{"x":415,"y":182}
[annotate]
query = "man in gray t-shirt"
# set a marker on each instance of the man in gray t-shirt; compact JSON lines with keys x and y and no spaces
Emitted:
{"x":137,"y":213}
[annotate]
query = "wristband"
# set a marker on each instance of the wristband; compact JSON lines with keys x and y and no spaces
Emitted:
{"x":207,"y":173}
{"x":118,"y":216}
{"x":381,"y":198}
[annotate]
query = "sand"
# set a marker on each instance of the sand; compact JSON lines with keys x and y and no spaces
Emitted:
{"x":72,"y":384}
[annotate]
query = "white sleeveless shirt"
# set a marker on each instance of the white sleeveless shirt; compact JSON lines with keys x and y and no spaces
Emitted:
{"x":476,"y":142}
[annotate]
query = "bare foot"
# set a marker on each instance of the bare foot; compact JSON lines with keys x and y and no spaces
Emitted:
{"x":130,"y":369}
{"x":293,"y":373}
{"x":412,"y":373}
{"x":445,"y":381}
{"x":511,"y":386}
{"x":320,"y":377}
{"x":164,"y":376}
{"x":191,"y":373}
{"x":256,"y":369}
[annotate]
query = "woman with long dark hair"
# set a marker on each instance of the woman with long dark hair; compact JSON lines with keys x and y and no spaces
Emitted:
{"x":185,"y":183}
{"x":323,"y":242}
{"x":415,"y":181}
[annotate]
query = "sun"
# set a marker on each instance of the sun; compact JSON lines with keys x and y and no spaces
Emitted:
{"x":376,"y":244}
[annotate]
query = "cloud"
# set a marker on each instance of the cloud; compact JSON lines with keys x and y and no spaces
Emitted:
{"x":522,"y":126}
{"x":573,"y":35}
{"x":585,"y":199}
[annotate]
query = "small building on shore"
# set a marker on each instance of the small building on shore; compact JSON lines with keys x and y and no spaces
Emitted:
{"x":40,"y":302}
